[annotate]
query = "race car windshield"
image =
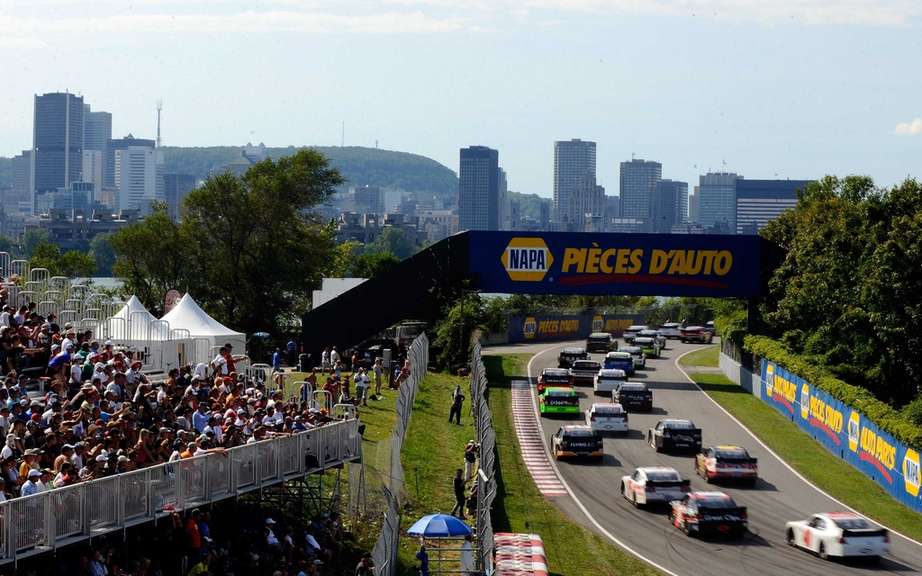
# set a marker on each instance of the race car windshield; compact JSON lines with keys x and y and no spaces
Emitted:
{"x":716,"y":503}
{"x":852,"y":523}
{"x":632,"y":387}
{"x":732,"y":454}
{"x":586,"y":365}
{"x":680,"y":425}
{"x":663,"y":476}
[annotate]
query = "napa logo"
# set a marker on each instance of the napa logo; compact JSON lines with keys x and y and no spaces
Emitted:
{"x":530,"y":327}
{"x":854,"y":431}
{"x":598,"y":323}
{"x":769,"y":382}
{"x":527,"y":259}
{"x":912,"y":473}
{"x":805,"y":401}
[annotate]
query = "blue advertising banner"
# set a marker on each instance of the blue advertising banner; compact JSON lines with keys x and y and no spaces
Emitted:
{"x":544,"y":327}
{"x":845,"y":432}
{"x":620,"y":264}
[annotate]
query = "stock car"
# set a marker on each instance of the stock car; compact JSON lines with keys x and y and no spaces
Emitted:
{"x":670,"y":329}
{"x":619,"y":361}
{"x":607,"y":418}
{"x":584,"y":372}
{"x":648,"y":346}
{"x":674,"y":434}
{"x":576,"y":441}
{"x":708,"y":513}
{"x":633,"y":395}
{"x":556,"y":377}
{"x":838,"y":534}
{"x":607,"y":380}
{"x":568,"y":356}
{"x":657,"y":336}
{"x":726,"y":463}
{"x":653,"y":484}
{"x":558,"y":401}
{"x":631,"y":332}
{"x":637,"y":355}
{"x":696,"y":334}
{"x":601,"y":342}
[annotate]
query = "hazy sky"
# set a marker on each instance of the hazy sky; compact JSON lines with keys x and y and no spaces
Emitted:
{"x":793,"y":88}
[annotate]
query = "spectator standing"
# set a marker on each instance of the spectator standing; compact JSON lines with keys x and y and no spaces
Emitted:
{"x":292,"y":349}
{"x":334,"y":357}
{"x":277,"y":360}
{"x":457,"y":401}
{"x":423,"y":558}
{"x":470,"y":457}
{"x":325,"y":361}
{"x":379,"y":373}
{"x":361,"y":387}
{"x":458,"y":484}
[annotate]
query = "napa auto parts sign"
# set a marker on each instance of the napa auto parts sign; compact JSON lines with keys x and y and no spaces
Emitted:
{"x":629,"y":264}
{"x":845,"y":432}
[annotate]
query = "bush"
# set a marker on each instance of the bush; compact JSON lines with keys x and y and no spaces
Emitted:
{"x":732,"y":326}
{"x":898,"y":424}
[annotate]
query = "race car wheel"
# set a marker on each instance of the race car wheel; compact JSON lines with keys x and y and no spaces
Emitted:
{"x":790,"y":538}
{"x":822,"y":552}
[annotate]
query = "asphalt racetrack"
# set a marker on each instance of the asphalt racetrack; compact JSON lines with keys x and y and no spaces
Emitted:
{"x":778,"y":497}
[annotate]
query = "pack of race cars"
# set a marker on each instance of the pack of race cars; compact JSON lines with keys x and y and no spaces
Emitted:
{"x":694,"y":512}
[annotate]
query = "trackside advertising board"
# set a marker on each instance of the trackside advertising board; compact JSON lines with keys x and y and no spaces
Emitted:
{"x":544,"y":327}
{"x":845,"y":432}
{"x":628,"y":264}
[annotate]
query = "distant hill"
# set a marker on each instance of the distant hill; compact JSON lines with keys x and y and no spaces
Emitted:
{"x":360,"y":166}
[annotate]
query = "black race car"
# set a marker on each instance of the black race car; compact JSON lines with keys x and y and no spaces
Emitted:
{"x":674,"y":434}
{"x":568,"y":356}
{"x":708,"y":513}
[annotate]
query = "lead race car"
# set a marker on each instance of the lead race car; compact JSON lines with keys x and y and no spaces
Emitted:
{"x":839,"y":534}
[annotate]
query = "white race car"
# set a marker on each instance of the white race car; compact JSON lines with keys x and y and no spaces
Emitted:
{"x":840,"y":534}
{"x":653,"y":484}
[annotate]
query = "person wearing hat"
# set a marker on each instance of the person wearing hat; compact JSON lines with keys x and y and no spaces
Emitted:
{"x":44,"y":482}
{"x":67,"y":452}
{"x":29,"y":462}
{"x":32,"y":484}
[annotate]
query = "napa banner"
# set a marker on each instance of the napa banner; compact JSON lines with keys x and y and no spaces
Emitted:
{"x":617,"y":264}
{"x":546,"y":327}
{"x":845,"y":432}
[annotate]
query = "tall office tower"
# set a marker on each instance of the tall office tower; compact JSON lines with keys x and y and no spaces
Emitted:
{"x":57,"y":143}
{"x":587,"y":207}
{"x":693,"y":206}
{"x":478,"y":189}
{"x":369,"y":200}
{"x":93,"y":171}
{"x":669,"y":205}
{"x":502,"y":199}
{"x":638,"y":178}
{"x":574,"y":166}
{"x":136,"y":178}
{"x":120,"y":144}
{"x":760,"y":201}
{"x":176,"y":187}
{"x":97,"y":131}
{"x":544,"y":213}
{"x":717,"y":201}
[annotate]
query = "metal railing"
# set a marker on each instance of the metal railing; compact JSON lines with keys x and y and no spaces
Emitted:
{"x":486,"y":475}
{"x":45,"y":521}
{"x":384,"y":553}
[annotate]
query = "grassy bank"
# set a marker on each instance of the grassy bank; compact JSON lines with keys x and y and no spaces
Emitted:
{"x":798,"y":449}
{"x":571,"y":549}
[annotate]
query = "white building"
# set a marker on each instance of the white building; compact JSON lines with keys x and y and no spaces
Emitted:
{"x":93,"y":170}
{"x":136,"y":178}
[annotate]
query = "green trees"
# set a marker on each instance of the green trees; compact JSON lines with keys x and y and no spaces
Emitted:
{"x":848,"y":293}
{"x":71,"y":263}
{"x":248,"y":248}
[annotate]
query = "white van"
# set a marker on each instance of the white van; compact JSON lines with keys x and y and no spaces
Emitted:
{"x":607,"y":418}
{"x":607,"y":380}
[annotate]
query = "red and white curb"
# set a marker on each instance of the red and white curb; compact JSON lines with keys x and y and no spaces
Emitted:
{"x":529,"y":432}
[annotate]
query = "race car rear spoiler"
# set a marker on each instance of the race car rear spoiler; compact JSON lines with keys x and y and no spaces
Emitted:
{"x":864,"y":533}
{"x":669,"y":483}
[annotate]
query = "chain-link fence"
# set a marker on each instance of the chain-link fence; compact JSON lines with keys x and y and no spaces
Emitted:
{"x":384,"y":553}
{"x":486,"y":480}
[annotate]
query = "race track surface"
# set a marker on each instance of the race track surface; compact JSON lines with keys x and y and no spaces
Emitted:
{"x":778,"y":497}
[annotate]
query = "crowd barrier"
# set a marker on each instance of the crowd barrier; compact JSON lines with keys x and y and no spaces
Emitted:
{"x":45,"y":521}
{"x":486,"y":476}
{"x":384,"y":553}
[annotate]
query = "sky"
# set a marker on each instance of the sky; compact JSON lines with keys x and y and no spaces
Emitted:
{"x":766,"y":88}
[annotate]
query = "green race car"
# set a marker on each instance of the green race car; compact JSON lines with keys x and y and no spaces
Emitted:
{"x":558,"y":401}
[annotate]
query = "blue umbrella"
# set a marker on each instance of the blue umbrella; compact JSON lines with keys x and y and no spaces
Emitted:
{"x":439,"y":526}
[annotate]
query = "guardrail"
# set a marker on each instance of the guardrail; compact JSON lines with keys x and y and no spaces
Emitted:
{"x":486,"y":475}
{"x":46,"y":521}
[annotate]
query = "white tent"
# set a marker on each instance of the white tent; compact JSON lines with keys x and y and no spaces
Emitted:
{"x":187,"y":315}
{"x":133,"y":322}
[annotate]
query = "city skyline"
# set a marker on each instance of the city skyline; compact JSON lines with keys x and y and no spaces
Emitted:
{"x":798,"y":90}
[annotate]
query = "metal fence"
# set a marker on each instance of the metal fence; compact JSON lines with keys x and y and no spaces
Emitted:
{"x":384,"y":553}
{"x":48,"y":520}
{"x":486,"y":478}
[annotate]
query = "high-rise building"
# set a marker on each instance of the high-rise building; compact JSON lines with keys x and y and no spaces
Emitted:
{"x":97,"y":132}
{"x":638,"y":178}
{"x":717,"y":201}
{"x":760,"y":201}
{"x":502,"y":199}
{"x":693,"y":206}
{"x":369,"y":200}
{"x":22,"y":173}
{"x":120,"y":144}
{"x":93,"y":169}
{"x":669,"y":205}
{"x":136,"y":178}
{"x":587,"y":208}
{"x":574,"y":167}
{"x":175,"y":188}
{"x":57,"y":142}
{"x":478,"y":189}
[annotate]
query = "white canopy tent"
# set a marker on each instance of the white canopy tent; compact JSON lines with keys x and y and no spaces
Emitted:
{"x":188,"y":315}
{"x":135,"y":322}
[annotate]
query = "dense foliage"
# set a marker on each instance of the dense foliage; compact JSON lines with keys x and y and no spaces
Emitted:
{"x":248,"y":248}
{"x":848,"y":293}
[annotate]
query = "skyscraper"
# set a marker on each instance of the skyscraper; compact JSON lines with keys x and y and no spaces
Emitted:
{"x":717,"y":201}
{"x":760,"y":201}
{"x":638,"y":178}
{"x":97,"y":132}
{"x":574,"y":166}
{"x":57,"y":142}
{"x":693,"y":205}
{"x":669,"y":205}
{"x":120,"y":144}
{"x":478,"y":189}
{"x":587,"y":207}
{"x":502,"y":200}
{"x":136,"y":178}
{"x":176,"y":187}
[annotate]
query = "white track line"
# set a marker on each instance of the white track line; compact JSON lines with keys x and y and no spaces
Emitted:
{"x":778,"y":458}
{"x":569,"y":491}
